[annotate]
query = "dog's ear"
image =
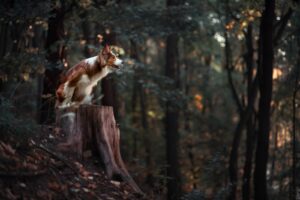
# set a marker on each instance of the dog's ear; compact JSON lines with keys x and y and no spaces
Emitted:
{"x":101,"y":59}
{"x":106,"y":49}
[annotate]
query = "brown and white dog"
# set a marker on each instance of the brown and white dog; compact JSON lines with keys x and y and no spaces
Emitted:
{"x":77,"y":84}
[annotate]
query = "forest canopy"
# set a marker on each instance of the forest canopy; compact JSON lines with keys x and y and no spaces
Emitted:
{"x":206,"y":102}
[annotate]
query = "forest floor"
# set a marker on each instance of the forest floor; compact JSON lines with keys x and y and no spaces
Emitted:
{"x":34,"y":169}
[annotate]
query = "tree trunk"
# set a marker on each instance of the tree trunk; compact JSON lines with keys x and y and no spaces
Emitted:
{"x":265,"y":71}
{"x":250,"y":123}
{"x":108,"y":86}
{"x":233,"y":159}
{"x":172,"y":115}
{"x":94,"y":129}
{"x":4,"y":36}
{"x":275,"y":152}
{"x":143,"y":109}
{"x":55,"y":54}
{"x":245,"y":114}
{"x":296,"y":155}
{"x":134,"y":121}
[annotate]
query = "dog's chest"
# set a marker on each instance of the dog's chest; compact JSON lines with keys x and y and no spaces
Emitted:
{"x":86,"y":83}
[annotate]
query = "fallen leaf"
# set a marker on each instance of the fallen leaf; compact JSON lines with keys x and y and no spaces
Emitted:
{"x":54,"y":186}
{"x":10,"y":195}
{"x":92,"y":186}
{"x":23,"y":185}
{"x":8,"y":149}
{"x":74,"y":190}
{"x":56,"y":130}
{"x":85,"y":173}
{"x":116,"y":183}
{"x":77,"y":185}
{"x":42,"y":194}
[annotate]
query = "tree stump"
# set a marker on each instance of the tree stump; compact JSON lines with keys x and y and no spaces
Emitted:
{"x":93,"y":128}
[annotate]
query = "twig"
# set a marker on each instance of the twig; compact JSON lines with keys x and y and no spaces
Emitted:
{"x":57,"y":155}
{"x":14,"y":90}
{"x":281,"y":25}
{"x":65,"y":193}
{"x":22,"y":174}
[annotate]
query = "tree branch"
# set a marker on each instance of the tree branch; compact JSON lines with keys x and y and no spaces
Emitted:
{"x":280,"y":26}
{"x":228,"y":67}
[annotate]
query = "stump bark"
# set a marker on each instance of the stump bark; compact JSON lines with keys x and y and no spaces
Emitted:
{"x":92,"y":128}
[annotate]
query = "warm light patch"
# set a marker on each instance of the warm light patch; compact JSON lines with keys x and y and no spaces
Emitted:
{"x":25,"y":76}
{"x":162,"y":44}
{"x":65,"y":63}
{"x":107,"y":31}
{"x":243,"y":24}
{"x":283,"y":136}
{"x":82,"y":42}
{"x":248,"y":16}
{"x":230,"y":25}
{"x":155,"y":114}
{"x":129,"y":62}
{"x":85,"y":3}
{"x":251,"y":13}
{"x":198,"y":101}
{"x":151,"y":114}
{"x":277,"y":73}
{"x":117,"y":50}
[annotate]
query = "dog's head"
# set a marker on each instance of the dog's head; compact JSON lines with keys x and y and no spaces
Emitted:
{"x":107,"y":58}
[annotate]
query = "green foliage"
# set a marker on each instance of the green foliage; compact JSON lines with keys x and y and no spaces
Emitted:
{"x":24,"y":11}
{"x":12,"y":124}
{"x":22,"y":66}
{"x":140,"y":22}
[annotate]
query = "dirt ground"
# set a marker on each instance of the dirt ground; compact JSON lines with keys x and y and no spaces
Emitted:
{"x":35,"y":169}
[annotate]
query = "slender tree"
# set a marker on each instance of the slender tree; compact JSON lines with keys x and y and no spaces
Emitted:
{"x":55,"y":54}
{"x":250,"y":122}
{"x":295,"y":175}
{"x":107,"y":85}
{"x":172,"y":114}
{"x":245,"y":112}
{"x":141,"y":94}
{"x":265,"y":70}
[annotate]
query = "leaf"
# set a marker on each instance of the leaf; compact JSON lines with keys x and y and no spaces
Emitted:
{"x":116,"y":183}
{"x":23,"y":185}
{"x":92,"y":186}
{"x":85,"y":189}
{"x":10,"y":195}
{"x":77,"y":185}
{"x":7,"y":148}
{"x":54,"y":186}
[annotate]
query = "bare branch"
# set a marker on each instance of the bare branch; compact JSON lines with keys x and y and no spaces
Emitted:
{"x":281,"y":25}
{"x":229,"y":67}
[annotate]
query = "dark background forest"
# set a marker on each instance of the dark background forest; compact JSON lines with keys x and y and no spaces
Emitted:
{"x":207,"y":101}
